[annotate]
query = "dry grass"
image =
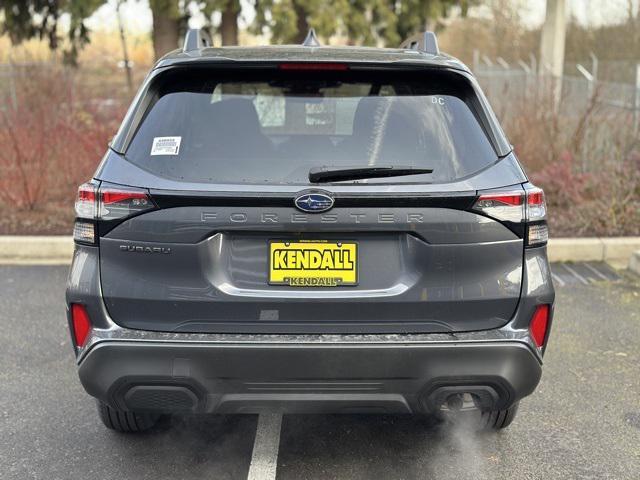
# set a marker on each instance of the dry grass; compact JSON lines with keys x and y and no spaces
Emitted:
{"x":587,"y":160}
{"x":52,"y":141}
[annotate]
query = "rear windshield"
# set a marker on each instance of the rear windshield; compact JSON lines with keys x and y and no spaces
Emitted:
{"x":274,"y":126}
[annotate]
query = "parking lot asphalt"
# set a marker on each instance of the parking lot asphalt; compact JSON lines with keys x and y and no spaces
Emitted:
{"x":582,"y":422}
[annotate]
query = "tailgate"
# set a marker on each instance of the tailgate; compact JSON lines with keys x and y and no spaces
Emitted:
{"x":419,"y":269}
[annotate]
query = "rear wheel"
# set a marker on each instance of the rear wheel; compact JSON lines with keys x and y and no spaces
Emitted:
{"x":483,"y":420}
{"x":498,"y":419}
{"x":125,"y":422}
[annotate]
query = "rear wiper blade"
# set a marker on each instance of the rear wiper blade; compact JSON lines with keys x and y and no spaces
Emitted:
{"x":338,"y":174}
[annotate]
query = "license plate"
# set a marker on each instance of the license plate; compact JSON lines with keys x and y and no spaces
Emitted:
{"x":313,"y":263}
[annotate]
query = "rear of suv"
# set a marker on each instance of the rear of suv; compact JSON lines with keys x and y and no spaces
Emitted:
{"x":309,"y":229}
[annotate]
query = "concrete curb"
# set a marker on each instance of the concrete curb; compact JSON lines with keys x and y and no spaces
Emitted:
{"x":38,"y":250}
{"x":634,"y":262}
{"x":58,"y":250}
{"x":616,"y":250}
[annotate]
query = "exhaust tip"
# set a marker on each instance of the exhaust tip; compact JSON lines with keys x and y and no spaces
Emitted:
{"x":455,"y":402}
{"x":455,"y":398}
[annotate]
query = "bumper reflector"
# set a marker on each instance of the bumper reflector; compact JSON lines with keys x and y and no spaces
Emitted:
{"x":539,"y":325}
{"x":81,"y":323}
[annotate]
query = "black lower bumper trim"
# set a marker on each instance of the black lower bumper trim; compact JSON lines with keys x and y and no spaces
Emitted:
{"x":305,"y":378}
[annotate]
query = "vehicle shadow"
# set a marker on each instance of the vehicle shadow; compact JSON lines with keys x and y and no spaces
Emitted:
{"x":381,"y":446}
{"x":186,"y":446}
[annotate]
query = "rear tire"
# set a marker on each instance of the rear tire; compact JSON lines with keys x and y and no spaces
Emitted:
{"x":498,"y":419}
{"x":125,"y":422}
{"x":483,"y":420}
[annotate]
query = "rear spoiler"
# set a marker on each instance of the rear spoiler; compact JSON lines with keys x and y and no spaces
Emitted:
{"x":425,"y":42}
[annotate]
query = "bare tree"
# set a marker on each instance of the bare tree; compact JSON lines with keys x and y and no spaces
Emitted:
{"x":166,"y":26}
{"x":125,"y":53}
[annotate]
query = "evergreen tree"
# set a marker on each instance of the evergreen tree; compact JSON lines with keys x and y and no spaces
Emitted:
{"x":26,"y":19}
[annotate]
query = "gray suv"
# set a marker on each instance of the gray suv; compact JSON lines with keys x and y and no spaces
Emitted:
{"x":309,"y":229}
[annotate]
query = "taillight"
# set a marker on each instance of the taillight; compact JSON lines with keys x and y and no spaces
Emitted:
{"x":86,"y":201}
{"x":503,"y":206}
{"x":539,"y":325}
{"x":107,"y":202}
{"x":537,"y":234}
{"x":536,"y":206}
{"x":526,"y":206}
{"x":84,"y":232}
{"x":117,"y":203}
{"x":81,"y":323}
{"x":537,"y":230}
{"x":84,"y":229}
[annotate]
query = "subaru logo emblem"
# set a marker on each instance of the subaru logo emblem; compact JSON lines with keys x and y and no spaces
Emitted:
{"x":314,"y":202}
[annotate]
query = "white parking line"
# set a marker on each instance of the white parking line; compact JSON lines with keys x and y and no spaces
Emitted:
{"x":264,"y":459}
{"x":576,"y":274}
{"x":596,"y":271}
{"x":558,"y":279}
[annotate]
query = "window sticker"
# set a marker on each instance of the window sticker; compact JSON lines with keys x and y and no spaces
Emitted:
{"x":166,"y":145}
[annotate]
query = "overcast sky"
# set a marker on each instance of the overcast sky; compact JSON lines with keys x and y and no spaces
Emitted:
{"x":589,"y":12}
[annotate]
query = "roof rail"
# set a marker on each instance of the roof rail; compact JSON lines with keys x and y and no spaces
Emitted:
{"x":311,"y":40}
{"x":195,"y":39}
{"x":425,"y":42}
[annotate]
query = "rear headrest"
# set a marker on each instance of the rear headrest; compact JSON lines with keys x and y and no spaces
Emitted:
{"x":364,"y":117}
{"x":397,"y":131}
{"x":232,"y":114}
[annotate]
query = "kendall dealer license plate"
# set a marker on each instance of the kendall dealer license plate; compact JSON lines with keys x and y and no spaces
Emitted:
{"x":313,"y":263}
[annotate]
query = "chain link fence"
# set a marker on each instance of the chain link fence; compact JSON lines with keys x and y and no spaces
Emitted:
{"x":506,"y":85}
{"x":105,"y":81}
{"x":598,"y":120}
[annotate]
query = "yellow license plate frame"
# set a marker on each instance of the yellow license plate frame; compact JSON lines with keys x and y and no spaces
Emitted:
{"x":313,"y":263}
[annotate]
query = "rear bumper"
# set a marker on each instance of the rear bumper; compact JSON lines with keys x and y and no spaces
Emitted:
{"x":236,"y":372}
{"x":317,"y":377}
